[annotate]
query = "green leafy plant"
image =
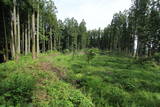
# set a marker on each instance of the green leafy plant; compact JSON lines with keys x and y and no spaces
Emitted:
{"x":17,"y":88}
{"x":66,"y":51}
{"x":156,"y":57}
{"x":91,"y":53}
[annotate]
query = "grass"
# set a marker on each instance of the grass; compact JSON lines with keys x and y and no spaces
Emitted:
{"x":114,"y":81}
{"x":61,"y":80}
{"x":36,"y":83}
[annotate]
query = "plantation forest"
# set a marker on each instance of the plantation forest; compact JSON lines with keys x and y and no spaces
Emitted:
{"x":49,"y":62}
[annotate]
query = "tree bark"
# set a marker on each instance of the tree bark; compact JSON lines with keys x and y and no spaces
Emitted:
{"x":26,"y":41}
{"x":33,"y":36}
{"x":37,"y":31}
{"x":22,"y":43}
{"x":29,"y":34}
{"x":15,"y":28}
{"x":51,"y":40}
{"x":18,"y":35}
{"x":135,"y":45}
{"x":44,"y":41}
{"x":59,"y":43}
{"x":12,"y":45}
{"x":5,"y":37}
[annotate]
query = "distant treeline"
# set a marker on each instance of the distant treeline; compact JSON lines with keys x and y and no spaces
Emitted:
{"x":31,"y":26}
{"x":135,"y":31}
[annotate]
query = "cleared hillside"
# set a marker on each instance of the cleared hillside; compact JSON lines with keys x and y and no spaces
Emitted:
{"x":67,"y":80}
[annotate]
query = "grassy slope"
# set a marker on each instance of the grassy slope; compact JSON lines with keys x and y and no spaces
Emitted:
{"x":114,"y":81}
{"x":59,"y":80}
{"x":36,"y":83}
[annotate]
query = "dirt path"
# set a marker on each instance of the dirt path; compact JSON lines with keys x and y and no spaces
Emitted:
{"x":48,"y":66}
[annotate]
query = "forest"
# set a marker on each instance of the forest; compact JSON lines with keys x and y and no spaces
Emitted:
{"x":47,"y":62}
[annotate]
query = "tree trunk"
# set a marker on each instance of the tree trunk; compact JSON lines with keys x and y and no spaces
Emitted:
{"x":59,"y":43}
{"x":15,"y":28}
{"x":135,"y":45}
{"x":44,"y":42}
{"x":22,"y":43}
{"x":51,"y":40}
{"x":18,"y":35}
{"x":26,"y":41}
{"x":12,"y":45}
{"x":33,"y":35}
{"x":67,"y":42}
{"x":55,"y":46}
{"x":29,"y":34}
{"x":37,"y":31}
{"x":44,"y":46}
{"x":5,"y":37}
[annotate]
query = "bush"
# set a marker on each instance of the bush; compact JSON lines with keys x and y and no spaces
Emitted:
{"x":116,"y":96}
{"x":91,"y":53}
{"x":63,"y":95}
{"x":156,"y":57}
{"x":66,"y":51}
{"x":129,"y":85}
{"x":16,"y":89}
{"x":147,"y":99}
{"x":105,"y":52}
{"x":142,"y":60}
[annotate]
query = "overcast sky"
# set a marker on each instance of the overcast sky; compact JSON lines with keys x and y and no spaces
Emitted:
{"x":96,"y":13}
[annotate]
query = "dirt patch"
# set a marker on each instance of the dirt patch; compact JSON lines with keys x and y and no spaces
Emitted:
{"x":47,"y":66}
{"x":41,"y":95}
{"x":49,"y":55}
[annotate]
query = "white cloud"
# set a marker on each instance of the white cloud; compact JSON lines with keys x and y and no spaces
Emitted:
{"x":97,"y":13}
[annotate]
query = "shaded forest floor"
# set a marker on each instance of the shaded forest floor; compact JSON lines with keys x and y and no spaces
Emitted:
{"x":64,"y":80}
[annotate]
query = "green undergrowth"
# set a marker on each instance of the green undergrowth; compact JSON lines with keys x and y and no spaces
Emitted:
{"x":37,"y":83}
{"x":113,"y":81}
{"x":67,"y":80}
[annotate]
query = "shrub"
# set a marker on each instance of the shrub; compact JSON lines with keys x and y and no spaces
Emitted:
{"x":66,"y":51}
{"x":156,"y":57}
{"x":91,"y":53}
{"x":105,"y":52}
{"x":109,"y":95}
{"x":61,"y":94}
{"x":129,"y":84}
{"x":142,"y":60}
{"x":147,"y":99}
{"x":17,"y":88}
{"x":116,"y":96}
